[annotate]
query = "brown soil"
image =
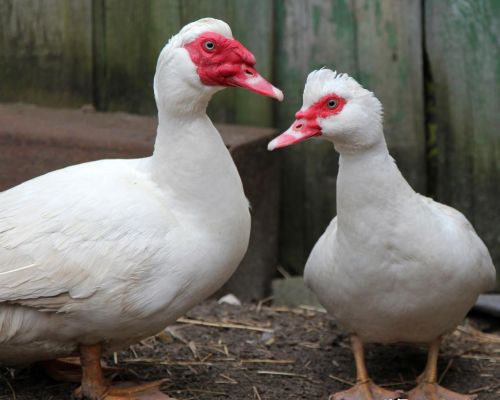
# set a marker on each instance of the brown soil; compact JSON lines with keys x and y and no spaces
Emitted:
{"x":293,"y":354}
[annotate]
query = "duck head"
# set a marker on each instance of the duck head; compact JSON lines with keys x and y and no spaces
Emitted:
{"x":202,"y":59}
{"x":337,"y":108}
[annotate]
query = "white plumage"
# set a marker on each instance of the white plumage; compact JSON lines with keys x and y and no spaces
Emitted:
{"x":393,"y":266}
{"x":112,"y":251}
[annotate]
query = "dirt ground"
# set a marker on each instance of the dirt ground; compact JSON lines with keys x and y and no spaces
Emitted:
{"x":261,"y":352}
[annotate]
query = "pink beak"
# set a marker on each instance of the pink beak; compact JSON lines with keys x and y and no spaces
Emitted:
{"x":300,"y":130}
{"x":250,"y":79}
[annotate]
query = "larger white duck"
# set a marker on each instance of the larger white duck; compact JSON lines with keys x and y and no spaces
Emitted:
{"x":100,"y":255}
{"x":393,"y":266}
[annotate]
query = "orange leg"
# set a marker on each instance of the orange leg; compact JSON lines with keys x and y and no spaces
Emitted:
{"x":428,"y":388}
{"x":364,"y":389}
{"x":95,"y":387}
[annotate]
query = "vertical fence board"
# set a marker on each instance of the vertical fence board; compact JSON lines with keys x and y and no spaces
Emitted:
{"x":46,"y":51}
{"x":463,"y":44}
{"x":134,"y":33}
{"x":253,"y":26}
{"x":389,"y":34}
{"x":310,"y":35}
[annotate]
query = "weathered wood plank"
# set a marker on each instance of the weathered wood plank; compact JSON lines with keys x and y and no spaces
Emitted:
{"x":46,"y":51}
{"x":253,"y":26}
{"x":463,"y":43}
{"x":390,"y":62}
{"x":310,"y":35}
{"x":134,"y":31}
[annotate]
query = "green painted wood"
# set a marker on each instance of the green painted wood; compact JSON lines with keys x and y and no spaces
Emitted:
{"x":310,"y":35}
{"x":132,"y":34}
{"x":390,"y":63}
{"x":46,"y":51}
{"x":463,"y":43}
{"x":253,"y":25}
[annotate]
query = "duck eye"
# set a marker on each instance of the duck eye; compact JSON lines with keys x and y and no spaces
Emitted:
{"x":209,"y":45}
{"x":331,"y":103}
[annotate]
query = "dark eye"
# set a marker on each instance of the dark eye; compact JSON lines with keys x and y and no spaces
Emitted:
{"x":209,"y":45}
{"x":331,"y":103}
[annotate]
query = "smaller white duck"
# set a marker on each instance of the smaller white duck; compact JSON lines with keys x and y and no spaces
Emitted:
{"x":393,"y":266}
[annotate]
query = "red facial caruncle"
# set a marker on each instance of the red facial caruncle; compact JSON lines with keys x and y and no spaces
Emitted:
{"x":221,"y":61}
{"x":306,"y":121}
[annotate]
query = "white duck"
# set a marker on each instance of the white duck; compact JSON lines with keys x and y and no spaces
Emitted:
{"x":99,"y":255}
{"x":393,"y":266}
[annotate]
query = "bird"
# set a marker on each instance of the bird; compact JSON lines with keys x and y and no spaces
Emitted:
{"x":393,"y":265}
{"x":97,"y":256}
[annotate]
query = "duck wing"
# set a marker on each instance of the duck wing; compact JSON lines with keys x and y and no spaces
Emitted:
{"x":71,"y":233}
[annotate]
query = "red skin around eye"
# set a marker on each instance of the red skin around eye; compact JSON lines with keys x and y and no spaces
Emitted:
{"x":306,"y":122}
{"x":320,"y":108}
{"x":224,"y":61}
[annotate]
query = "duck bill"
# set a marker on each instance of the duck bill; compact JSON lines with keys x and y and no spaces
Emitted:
{"x":248,"y":78}
{"x":298,"y":132}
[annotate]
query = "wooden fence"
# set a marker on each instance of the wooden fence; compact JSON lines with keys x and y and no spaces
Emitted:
{"x":434,"y":64}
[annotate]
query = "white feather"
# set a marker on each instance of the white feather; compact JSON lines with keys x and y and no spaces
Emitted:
{"x":393,"y":265}
{"x":114,"y":250}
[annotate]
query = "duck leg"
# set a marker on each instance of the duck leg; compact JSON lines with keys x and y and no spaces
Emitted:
{"x":95,"y":387}
{"x":364,"y":389}
{"x":428,"y":388}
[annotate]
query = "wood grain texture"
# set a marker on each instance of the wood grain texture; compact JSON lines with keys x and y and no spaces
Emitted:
{"x":131,"y":35}
{"x":463,"y":44}
{"x":46,"y":51}
{"x":310,"y":35}
{"x":390,"y":63}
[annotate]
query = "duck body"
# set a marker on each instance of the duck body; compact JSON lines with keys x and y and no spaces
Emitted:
{"x":395,"y":266}
{"x":113,"y":251}
{"x":100,"y":255}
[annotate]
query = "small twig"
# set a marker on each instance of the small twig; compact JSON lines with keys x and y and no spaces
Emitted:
{"x":222,"y":325}
{"x":133,"y":351}
{"x":282,"y":374}
{"x":256,"y":394}
{"x":312,"y":308}
{"x":445,"y":371}
{"x":228,"y":380}
{"x":478,"y":357}
{"x":160,"y":362}
{"x":336,"y":378}
{"x":485,"y":388}
{"x":266,"y":361}
{"x":262,"y":302}
{"x":10,"y":387}
{"x":283,"y":272}
{"x":481,"y":336}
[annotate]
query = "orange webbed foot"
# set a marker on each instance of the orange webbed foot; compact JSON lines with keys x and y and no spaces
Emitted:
{"x":366,"y":391}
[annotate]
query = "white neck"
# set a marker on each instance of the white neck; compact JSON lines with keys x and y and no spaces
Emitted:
{"x":368,"y":184}
{"x":192,"y":166}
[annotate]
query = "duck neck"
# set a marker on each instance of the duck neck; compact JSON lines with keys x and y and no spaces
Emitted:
{"x":368,"y":183}
{"x":192,"y":166}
